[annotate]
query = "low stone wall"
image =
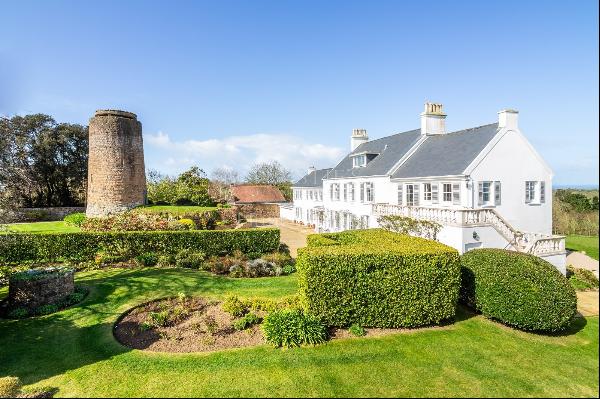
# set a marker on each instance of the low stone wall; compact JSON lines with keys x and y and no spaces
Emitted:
{"x":38,"y":214}
{"x":31,"y":294}
{"x":259,"y":210}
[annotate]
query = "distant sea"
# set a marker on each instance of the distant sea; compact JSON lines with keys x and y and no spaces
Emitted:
{"x":577,"y":186}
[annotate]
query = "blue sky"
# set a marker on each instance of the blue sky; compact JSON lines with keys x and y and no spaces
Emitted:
{"x":229,"y":83}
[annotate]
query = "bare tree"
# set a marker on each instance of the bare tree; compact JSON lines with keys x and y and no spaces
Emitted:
{"x":225,"y":176}
{"x":272,"y":173}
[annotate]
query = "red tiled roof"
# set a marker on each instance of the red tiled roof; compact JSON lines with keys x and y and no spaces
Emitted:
{"x":256,"y":194}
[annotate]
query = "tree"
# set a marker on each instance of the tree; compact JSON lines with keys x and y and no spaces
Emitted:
{"x":272,"y":173}
{"x":225,"y":176}
{"x":189,"y":188}
{"x":42,"y":163}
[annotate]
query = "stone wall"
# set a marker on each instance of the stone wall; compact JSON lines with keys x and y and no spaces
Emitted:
{"x":32,"y":294}
{"x":116,"y":171}
{"x":38,"y":214}
{"x":259,"y":210}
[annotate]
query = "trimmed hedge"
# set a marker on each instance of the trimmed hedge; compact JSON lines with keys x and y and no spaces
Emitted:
{"x":83,"y":246}
{"x":517,"y":289}
{"x":377,"y":278}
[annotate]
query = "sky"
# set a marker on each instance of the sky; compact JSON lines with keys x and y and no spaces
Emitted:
{"x":231,"y":83}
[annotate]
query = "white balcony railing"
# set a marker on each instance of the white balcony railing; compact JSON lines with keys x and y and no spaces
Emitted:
{"x":534,"y":243}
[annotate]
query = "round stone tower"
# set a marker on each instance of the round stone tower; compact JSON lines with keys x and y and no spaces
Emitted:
{"x":116,"y":172}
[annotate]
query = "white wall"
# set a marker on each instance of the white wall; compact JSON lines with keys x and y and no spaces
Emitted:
{"x":512,"y":162}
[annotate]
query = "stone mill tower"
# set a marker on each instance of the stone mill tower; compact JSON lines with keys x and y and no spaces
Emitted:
{"x":116,"y":172}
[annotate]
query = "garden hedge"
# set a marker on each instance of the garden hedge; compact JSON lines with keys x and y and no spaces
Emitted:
{"x":377,"y":278}
{"x":517,"y":289}
{"x":83,"y":246}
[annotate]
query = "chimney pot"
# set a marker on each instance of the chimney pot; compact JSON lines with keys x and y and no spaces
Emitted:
{"x":433,"y":119}
{"x":358,"y":137}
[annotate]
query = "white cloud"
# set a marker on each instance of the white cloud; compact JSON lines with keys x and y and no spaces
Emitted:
{"x":237,"y":152}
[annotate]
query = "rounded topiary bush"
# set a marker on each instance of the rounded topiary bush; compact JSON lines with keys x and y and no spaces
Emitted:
{"x":517,"y":289}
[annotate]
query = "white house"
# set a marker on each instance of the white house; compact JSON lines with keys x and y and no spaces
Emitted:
{"x":486,"y":186}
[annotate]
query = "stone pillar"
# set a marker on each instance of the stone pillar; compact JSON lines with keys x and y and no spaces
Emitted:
{"x":116,"y":172}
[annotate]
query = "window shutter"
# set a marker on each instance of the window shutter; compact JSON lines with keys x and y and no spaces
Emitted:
{"x":542,"y":192}
{"x":434,"y":193}
{"x":416,"y":194}
{"x":456,"y":194}
{"x":480,"y":193}
{"x":362,"y":192}
{"x":400,"y":194}
{"x":497,"y":193}
{"x":527,"y":198}
{"x":372,"y":192}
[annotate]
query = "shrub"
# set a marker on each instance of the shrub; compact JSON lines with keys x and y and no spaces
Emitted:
{"x":74,"y":219}
{"x":581,"y":279}
{"x":234,"y":306}
{"x":147,"y":259}
{"x":10,"y":387}
{"x":47,"y":309}
{"x":292,"y":327}
{"x":166,"y":261}
{"x":246,"y":322}
{"x":83,"y":246}
{"x":187,"y":223}
{"x":159,"y":319}
{"x":189,"y":259}
{"x":378,"y":278}
{"x":357,"y":330}
{"x":18,"y":313}
{"x":408,"y":225}
{"x":518,"y":289}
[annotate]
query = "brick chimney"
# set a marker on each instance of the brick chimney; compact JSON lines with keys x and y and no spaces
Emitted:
{"x":433,"y":119}
{"x":509,"y":119}
{"x":359,"y":136}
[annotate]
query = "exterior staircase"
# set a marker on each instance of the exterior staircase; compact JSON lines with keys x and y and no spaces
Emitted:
{"x":534,"y":243}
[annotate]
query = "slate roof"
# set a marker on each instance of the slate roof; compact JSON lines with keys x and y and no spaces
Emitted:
{"x":313,"y":179}
{"x":447,"y":154}
{"x":252,"y":194}
{"x":390,"y":150}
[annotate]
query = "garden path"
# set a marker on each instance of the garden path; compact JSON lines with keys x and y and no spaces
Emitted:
{"x":294,"y":235}
{"x":583,"y":261}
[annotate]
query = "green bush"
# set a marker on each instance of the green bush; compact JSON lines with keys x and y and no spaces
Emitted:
{"x":189,"y":224}
{"x":166,"y":260}
{"x":377,"y":278}
{"x":10,"y":387}
{"x":147,"y":259}
{"x":83,"y":246}
{"x":582,"y":279}
{"x":357,"y":330}
{"x":246,"y":322}
{"x":189,"y":259}
{"x":292,"y":327}
{"x":517,"y":289}
{"x":75,"y":219}
{"x":234,"y":306}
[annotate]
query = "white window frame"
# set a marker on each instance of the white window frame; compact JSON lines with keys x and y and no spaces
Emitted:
{"x":359,"y":161}
{"x":345,"y":191}
{"x":427,"y":192}
{"x":412,"y":194}
{"x":455,"y":193}
{"x":400,"y":194}
{"x":497,"y":193}
{"x":369,"y":192}
{"x":435,"y":195}
{"x":336,"y":192}
{"x":447,"y":193}
{"x":530,"y":192}
{"x":351,"y":192}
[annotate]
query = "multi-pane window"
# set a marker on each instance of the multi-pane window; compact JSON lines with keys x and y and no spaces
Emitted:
{"x":320,"y":192}
{"x":336,"y":192}
{"x":530,"y":191}
{"x":447,"y":192}
{"x":412,"y":194}
{"x":351,"y":191}
{"x":359,"y":161}
{"x":362,"y":192}
{"x":485,"y":192}
{"x":364,"y":222}
{"x":369,"y":192}
{"x":345,"y":192}
{"x":299,"y":213}
{"x":427,"y":192}
{"x":497,"y":193}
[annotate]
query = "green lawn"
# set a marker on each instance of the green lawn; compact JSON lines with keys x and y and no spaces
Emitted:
{"x":42,"y":227}
{"x":589,"y":244}
{"x":74,"y":351}
{"x":174,"y":209}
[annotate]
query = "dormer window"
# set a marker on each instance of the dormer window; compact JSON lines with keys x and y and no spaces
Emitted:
{"x":359,"y":161}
